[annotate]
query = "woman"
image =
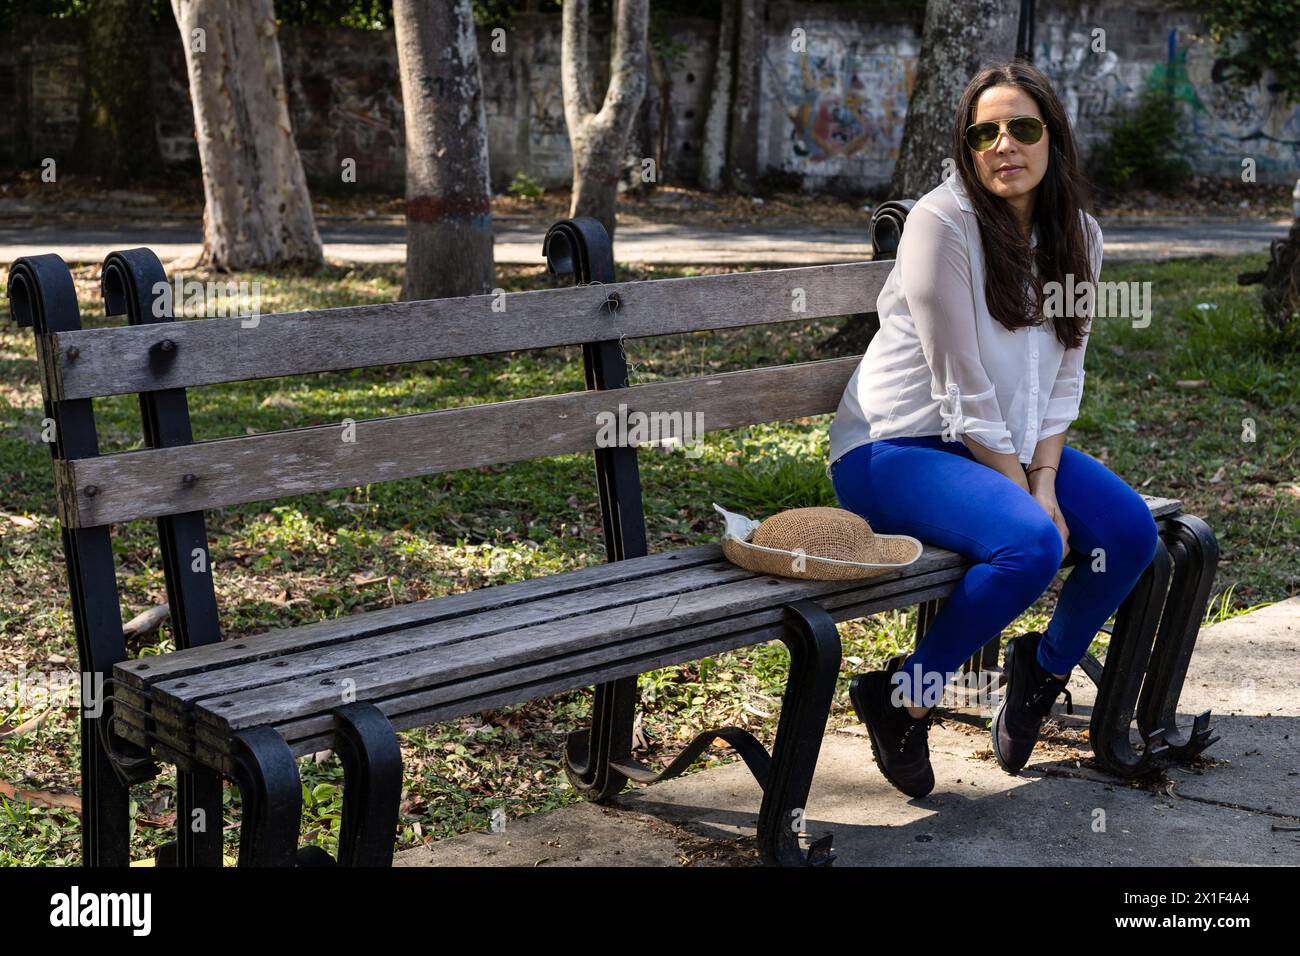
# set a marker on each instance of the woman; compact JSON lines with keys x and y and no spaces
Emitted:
{"x":952,"y":428}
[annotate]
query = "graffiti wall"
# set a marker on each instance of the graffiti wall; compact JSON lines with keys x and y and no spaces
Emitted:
{"x":1145,"y":44}
{"x":836,"y":92}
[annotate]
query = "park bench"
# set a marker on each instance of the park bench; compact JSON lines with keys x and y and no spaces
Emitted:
{"x":246,"y":709}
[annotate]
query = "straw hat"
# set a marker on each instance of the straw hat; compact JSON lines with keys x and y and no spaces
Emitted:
{"x":818,"y":544}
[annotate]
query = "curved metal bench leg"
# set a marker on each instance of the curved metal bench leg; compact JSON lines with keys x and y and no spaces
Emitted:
{"x":591,"y":754}
{"x":785,"y":776}
{"x":372,"y":785}
{"x":267,"y":775}
{"x":738,"y":738}
{"x":1126,"y":665}
{"x":814,"y":645}
{"x":1195,"y":552}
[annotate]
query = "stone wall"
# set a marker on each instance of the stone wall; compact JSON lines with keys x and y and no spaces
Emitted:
{"x":831,"y":113}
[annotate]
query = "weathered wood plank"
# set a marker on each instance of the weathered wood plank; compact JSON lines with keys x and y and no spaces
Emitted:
{"x":321,"y":634}
{"x":1162,"y":507}
{"x":116,"y":361}
{"x":308,"y":735}
{"x":444,"y":634}
{"x":213,"y":474}
{"x":544,"y":645}
{"x":174,"y":704}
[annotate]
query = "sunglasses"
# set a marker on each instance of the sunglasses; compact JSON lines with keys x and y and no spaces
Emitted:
{"x":1026,"y":129}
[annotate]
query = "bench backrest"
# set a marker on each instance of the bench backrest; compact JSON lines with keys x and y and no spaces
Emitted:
{"x":176,"y":479}
{"x":167,"y":356}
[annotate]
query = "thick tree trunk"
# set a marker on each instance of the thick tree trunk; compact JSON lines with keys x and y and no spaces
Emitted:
{"x":713,"y":152}
{"x":742,"y":142}
{"x":118,"y":138}
{"x":960,"y":37}
{"x":598,"y":139}
{"x":448,"y":196}
{"x":258,"y":210}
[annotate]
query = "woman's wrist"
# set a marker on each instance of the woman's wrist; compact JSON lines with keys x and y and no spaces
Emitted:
{"x":1040,"y":474}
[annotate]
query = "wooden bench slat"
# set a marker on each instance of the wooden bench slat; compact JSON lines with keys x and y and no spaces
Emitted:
{"x":311,"y":734}
{"x":272,"y":644}
{"x":550,"y":641}
{"x":117,"y":361}
{"x":229,"y":471}
{"x":174,"y":698}
{"x":303,"y":662}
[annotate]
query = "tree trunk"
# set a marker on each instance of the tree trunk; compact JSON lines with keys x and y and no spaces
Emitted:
{"x":960,"y":37}
{"x":257,"y":209}
{"x":118,"y":138}
{"x":661,"y":72}
{"x":1280,"y":297}
{"x":742,"y":143}
{"x":598,"y":139}
{"x":448,"y":196}
{"x":713,"y":152}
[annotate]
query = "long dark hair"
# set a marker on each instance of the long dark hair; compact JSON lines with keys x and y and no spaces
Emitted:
{"x":1015,"y":297}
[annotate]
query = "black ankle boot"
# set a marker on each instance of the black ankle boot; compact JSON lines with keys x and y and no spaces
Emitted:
{"x":1027,"y":699}
{"x":899,"y":742}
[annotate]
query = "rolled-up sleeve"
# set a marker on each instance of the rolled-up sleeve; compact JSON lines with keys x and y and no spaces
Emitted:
{"x":935,"y":272}
{"x":1067,"y":391}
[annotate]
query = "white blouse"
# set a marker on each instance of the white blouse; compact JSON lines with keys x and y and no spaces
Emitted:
{"x":940,"y":359}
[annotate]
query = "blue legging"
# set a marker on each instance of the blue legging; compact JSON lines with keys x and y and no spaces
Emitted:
{"x":937,"y":491}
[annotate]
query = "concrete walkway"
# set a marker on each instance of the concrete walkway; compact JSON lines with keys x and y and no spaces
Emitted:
{"x":519,"y":242}
{"x":1240,"y":805}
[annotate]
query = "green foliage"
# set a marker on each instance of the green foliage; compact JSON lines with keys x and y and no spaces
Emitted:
{"x":1146,"y":145}
{"x":524,"y":186}
{"x":773,"y":480}
{"x":357,"y":14}
{"x":1256,"y":38}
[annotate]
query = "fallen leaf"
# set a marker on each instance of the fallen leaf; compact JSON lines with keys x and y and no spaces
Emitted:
{"x":46,"y":798}
{"x":165,"y":820}
{"x":25,"y":727}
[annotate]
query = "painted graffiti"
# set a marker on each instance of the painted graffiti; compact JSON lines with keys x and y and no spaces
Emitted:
{"x":1225,"y":124}
{"x":844,"y":100}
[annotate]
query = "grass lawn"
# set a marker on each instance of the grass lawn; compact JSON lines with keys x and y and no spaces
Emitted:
{"x":1166,"y":408}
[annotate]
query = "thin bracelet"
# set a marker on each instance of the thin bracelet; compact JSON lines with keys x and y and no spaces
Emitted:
{"x":1041,"y":467}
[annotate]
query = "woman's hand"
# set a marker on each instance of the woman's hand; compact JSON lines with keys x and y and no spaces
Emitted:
{"x":1042,"y":486}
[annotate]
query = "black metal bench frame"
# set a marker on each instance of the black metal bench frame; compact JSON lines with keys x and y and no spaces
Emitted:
{"x":599,"y":759}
